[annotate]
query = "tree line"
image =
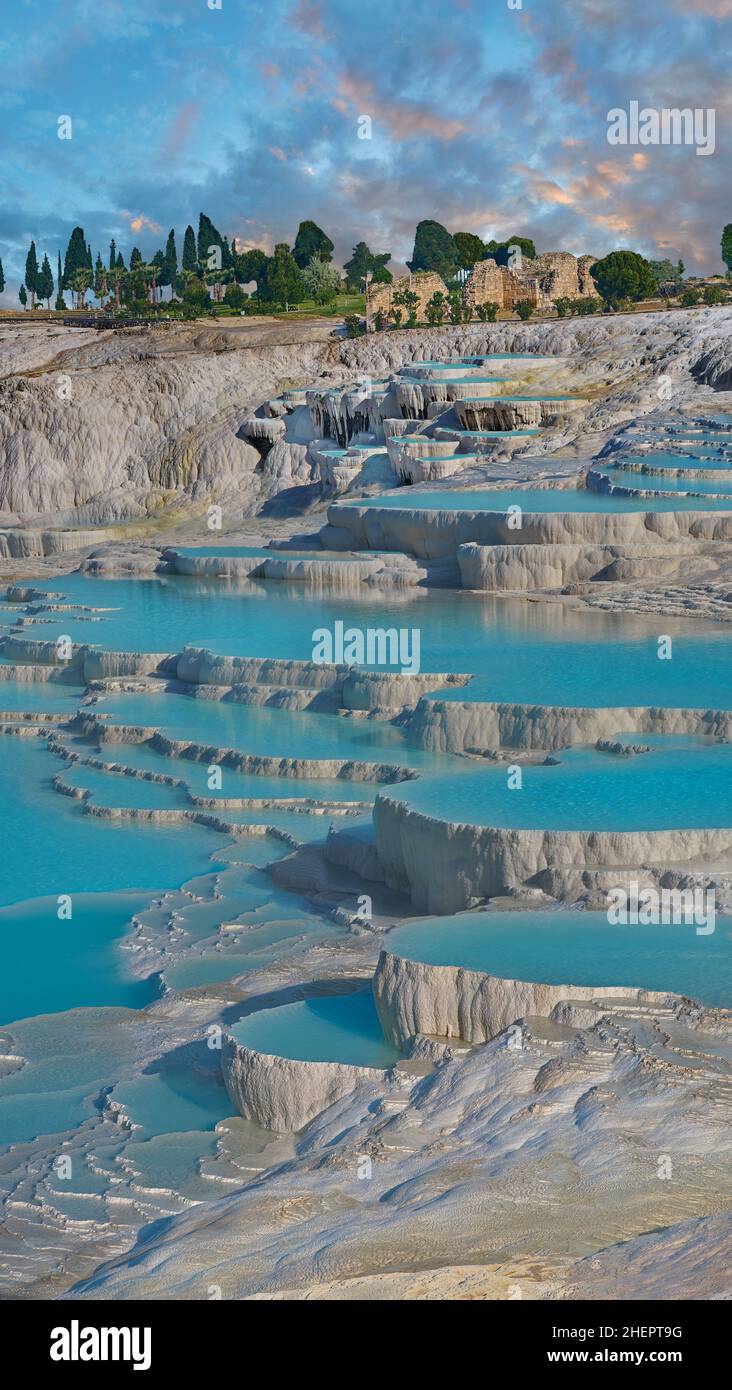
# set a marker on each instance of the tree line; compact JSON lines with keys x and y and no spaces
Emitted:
{"x":210,"y":270}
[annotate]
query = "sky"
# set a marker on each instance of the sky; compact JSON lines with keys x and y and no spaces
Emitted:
{"x":487,"y":115}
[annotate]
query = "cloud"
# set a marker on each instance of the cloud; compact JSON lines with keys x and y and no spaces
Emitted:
{"x":137,"y":222}
{"x":404,"y":120}
{"x":180,"y":129}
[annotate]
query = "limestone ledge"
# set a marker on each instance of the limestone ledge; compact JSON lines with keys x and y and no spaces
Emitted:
{"x":434,"y":535}
{"x":444,"y":866}
{"x":461,"y":726}
{"x":282,"y":1094}
{"x":29,"y":543}
{"x":526,"y":567}
{"x":250,"y":764}
{"x":444,"y":1000}
{"x":251,"y":680}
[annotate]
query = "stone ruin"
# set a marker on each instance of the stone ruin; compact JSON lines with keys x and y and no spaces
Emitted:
{"x":542,"y":280}
{"x":423,"y":283}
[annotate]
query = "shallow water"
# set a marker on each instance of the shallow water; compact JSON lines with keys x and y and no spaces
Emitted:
{"x":669,"y":462}
{"x":578,"y":948}
{"x":679,"y":784}
{"x":721,"y":486}
{"x":533,"y":500}
{"x":541,"y":653}
{"x":344,"y":1028}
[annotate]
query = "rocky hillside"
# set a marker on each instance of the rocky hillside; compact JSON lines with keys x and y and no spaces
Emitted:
{"x":103,"y":427}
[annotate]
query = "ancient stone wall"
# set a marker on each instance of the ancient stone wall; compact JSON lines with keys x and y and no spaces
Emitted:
{"x":424,"y":283}
{"x":555,"y":275}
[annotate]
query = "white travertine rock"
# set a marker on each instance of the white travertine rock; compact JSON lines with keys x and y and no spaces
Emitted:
{"x":280,"y":1093}
{"x":526,"y":567}
{"x":446,"y":726}
{"x":413,"y":997}
{"x":436,"y":534}
{"x":444,"y":866}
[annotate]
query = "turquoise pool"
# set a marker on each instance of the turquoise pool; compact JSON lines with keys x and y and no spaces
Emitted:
{"x":344,"y":1028}
{"x":524,"y":652}
{"x":578,"y":948}
{"x":668,"y":483}
{"x":667,"y":462}
{"x":680,"y":784}
{"x":532,"y":500}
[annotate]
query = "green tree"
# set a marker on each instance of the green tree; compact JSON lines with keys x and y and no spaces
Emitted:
{"x":169,"y":265}
{"x":282,"y":282}
{"x":2,"y":278}
{"x":470,"y":249}
{"x":22,"y":296}
{"x":727,"y":247}
{"x":409,"y":301}
{"x":44,"y":282}
{"x":76,"y":257}
{"x":311,"y":241}
{"x":380,"y":321}
{"x":524,"y":308}
{"x":250,"y":266}
{"x":457,"y":312}
{"x":498,"y":250}
{"x":434,"y":249}
{"x":60,"y":304}
{"x":436,"y":308}
{"x":355,"y":326}
{"x":31,"y":274}
{"x":362,"y":263}
{"x":195,"y":294}
{"x":322,"y":281}
{"x":234,"y":296}
{"x":488,"y":312}
{"x":623,"y":275}
{"x":81,"y":281}
{"x":112,"y":254}
{"x":190,"y":259}
{"x":208,"y":237}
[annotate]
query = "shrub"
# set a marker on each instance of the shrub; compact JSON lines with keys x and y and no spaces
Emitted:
{"x":564,"y":306}
{"x":487,"y":312}
{"x":689,"y":298}
{"x":435,"y":309}
{"x":714,"y":295}
{"x":355,"y":326}
{"x":524,"y":308}
{"x":456,"y":307}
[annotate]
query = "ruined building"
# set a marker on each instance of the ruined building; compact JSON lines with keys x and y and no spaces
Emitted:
{"x":543,"y":280}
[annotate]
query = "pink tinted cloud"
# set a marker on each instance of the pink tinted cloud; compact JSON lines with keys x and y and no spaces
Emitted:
{"x":180,"y":129}
{"x":137,"y":222}
{"x":404,"y":120}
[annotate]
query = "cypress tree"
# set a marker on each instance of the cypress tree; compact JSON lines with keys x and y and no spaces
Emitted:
{"x":44,"y":282}
{"x":60,"y":301}
{"x":31,"y":273}
{"x":76,"y":257}
{"x":112,"y":254}
{"x":190,"y":259}
{"x":208,"y":235}
{"x":22,"y":296}
{"x":170,"y":261}
{"x":2,"y":278}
